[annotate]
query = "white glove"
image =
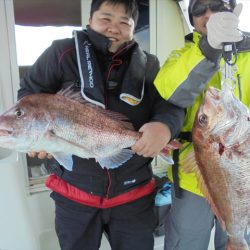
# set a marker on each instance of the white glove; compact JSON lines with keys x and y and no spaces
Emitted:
{"x":222,"y":27}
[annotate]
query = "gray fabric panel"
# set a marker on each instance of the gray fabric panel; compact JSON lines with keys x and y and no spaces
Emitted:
{"x":195,"y":83}
{"x":244,"y":45}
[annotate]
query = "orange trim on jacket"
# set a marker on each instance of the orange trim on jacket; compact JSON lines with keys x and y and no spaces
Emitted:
{"x":65,"y":189}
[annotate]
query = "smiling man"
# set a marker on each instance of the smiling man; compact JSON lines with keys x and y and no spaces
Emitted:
{"x":110,"y":70}
{"x":115,"y":24}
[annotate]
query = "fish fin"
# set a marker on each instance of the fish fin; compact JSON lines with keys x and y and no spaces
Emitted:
{"x":205,"y":191}
{"x":189,"y":165}
{"x":168,"y":159}
{"x":72,"y":94}
{"x":113,"y":114}
{"x":124,"y":120}
{"x":73,"y":146}
{"x":64,"y":160}
{"x":128,"y":125}
{"x":166,"y":152}
{"x":174,"y":144}
{"x":77,"y":96}
{"x":114,"y":161}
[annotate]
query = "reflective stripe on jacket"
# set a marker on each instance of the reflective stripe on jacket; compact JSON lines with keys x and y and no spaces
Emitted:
{"x":185,"y":74}
{"x":176,"y":78}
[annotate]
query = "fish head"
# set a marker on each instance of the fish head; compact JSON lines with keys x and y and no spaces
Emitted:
{"x":209,"y":112}
{"x":22,"y":124}
{"x":217,"y":114}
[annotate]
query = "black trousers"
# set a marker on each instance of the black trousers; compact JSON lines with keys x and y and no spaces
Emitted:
{"x":127,"y":227}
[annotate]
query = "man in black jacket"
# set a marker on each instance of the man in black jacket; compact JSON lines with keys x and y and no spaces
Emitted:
{"x":110,"y":70}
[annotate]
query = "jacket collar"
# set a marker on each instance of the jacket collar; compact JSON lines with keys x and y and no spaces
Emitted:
{"x":102,"y":43}
{"x":92,"y":87}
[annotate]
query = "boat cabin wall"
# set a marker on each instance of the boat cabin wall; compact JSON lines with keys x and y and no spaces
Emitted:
{"x":26,"y":210}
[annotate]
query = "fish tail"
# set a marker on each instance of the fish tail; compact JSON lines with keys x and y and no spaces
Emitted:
{"x":166,"y":152}
{"x":166,"y":157}
{"x":233,"y":245}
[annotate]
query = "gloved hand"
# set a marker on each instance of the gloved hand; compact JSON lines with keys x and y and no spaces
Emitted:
{"x":222,"y":27}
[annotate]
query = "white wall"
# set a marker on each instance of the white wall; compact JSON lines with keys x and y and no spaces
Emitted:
{"x":17,"y":231}
{"x":166,"y":28}
{"x":85,"y":6}
{"x":6,"y":45}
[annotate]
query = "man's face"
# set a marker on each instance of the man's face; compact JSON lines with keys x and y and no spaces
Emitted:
{"x":203,"y":9}
{"x":113,"y":22}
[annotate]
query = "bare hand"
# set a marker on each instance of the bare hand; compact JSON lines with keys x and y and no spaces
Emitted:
{"x":40,"y":155}
{"x":155,"y":136}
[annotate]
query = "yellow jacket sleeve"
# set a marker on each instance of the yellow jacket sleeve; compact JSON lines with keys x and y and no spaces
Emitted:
{"x":184,"y":74}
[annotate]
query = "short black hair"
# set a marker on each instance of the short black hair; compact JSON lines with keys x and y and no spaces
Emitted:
{"x":131,"y":7}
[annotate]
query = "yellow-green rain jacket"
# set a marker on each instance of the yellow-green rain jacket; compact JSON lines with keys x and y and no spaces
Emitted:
{"x":183,"y":80}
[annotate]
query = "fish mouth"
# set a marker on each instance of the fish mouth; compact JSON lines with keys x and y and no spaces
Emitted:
{"x":212,"y":97}
{"x":4,"y":132}
{"x":214,"y":93}
{"x":210,"y":100}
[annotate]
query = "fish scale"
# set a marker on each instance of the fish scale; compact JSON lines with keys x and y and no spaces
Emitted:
{"x":223,"y":158}
{"x":64,"y":126}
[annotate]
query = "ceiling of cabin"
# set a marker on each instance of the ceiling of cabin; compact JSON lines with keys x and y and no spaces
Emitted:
{"x":55,"y":12}
{"x":47,"y":12}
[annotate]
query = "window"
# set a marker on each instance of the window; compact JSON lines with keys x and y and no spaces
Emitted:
{"x":32,"y":41}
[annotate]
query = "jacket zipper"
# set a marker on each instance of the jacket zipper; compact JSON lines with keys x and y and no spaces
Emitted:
{"x":109,"y":183}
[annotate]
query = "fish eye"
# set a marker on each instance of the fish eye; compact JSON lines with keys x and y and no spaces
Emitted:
{"x":19,"y":113}
{"x":203,"y":119}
